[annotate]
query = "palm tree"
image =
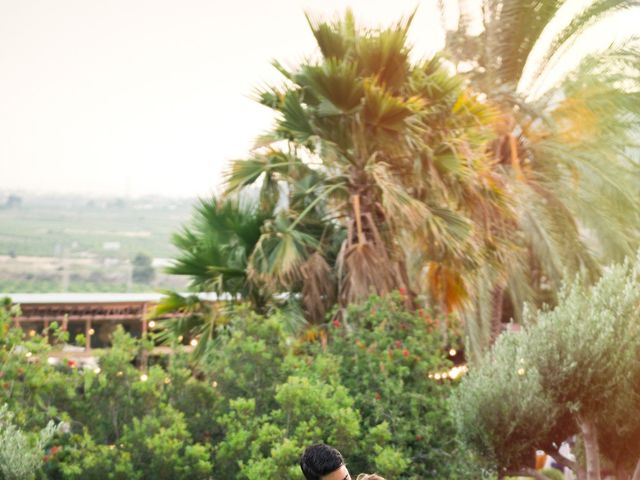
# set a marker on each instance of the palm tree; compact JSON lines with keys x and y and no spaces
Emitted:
{"x":214,"y":248}
{"x":213,"y":253}
{"x":569,"y":147}
{"x":374,"y":165}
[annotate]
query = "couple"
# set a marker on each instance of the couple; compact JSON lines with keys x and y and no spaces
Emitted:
{"x":322,"y":462}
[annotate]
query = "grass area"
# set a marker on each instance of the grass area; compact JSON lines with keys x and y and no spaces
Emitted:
{"x":91,"y":242}
{"x":51,"y":226}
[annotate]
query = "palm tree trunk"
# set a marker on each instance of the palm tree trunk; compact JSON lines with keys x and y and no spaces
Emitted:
{"x":367,"y":262}
{"x":497,"y":301}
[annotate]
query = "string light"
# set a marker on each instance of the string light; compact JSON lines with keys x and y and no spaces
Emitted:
{"x":32,"y":333}
{"x":167,"y":381}
{"x":97,"y":370}
{"x":455,"y":372}
{"x":152,"y":324}
{"x":91,"y":331}
{"x":144,"y":377}
{"x":521,"y":371}
{"x":180,"y":338}
{"x":452,"y":373}
{"x":452,"y":352}
{"x":194,"y":342}
{"x":214,"y":384}
{"x":120,"y":373}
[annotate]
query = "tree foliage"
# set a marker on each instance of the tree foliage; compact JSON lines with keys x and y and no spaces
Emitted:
{"x":566,"y":139}
{"x":248,"y":407}
{"x":372,"y":158}
{"x":574,"y":370}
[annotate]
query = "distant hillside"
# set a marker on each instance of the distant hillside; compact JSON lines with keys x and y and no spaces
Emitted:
{"x":85,"y":244}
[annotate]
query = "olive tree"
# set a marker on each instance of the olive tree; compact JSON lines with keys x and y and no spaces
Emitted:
{"x":21,"y":453}
{"x":586,"y":351}
{"x":502,"y":412}
{"x":574,"y":370}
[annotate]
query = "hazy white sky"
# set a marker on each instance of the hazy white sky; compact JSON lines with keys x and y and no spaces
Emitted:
{"x":153,"y":96}
{"x":150,"y":96}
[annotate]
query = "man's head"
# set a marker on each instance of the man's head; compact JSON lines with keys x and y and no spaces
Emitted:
{"x":322,"y":462}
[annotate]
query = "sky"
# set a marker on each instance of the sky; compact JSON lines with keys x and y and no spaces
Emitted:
{"x":137,"y":97}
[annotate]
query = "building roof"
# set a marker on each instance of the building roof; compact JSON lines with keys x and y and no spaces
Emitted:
{"x":67,"y":298}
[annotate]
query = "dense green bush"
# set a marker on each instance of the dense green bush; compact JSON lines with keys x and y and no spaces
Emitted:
{"x":384,"y":356}
{"x":253,"y":401}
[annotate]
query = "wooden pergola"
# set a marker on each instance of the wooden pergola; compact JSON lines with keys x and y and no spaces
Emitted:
{"x":91,"y":312}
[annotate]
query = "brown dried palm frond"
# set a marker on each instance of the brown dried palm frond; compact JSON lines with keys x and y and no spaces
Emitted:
{"x":319,"y":288}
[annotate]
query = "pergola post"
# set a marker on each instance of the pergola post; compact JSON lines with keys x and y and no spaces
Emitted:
{"x":144,"y":358}
{"x":87,"y":335}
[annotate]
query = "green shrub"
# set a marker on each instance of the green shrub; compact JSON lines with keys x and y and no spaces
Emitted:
{"x":83,"y":459}
{"x":21,"y":454}
{"x":552,"y":474}
{"x":384,"y":356}
{"x":252,"y":403}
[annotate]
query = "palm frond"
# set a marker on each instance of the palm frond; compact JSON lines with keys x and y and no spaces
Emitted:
{"x":593,"y":13}
{"x":214,"y":247}
{"x":280,"y":253}
{"x":334,"y":81}
{"x":515,"y":29}
{"x":387,"y":112}
{"x":193,"y":318}
{"x":334,"y":39}
{"x":384,"y":56}
{"x":295,"y":119}
{"x":318,"y":287}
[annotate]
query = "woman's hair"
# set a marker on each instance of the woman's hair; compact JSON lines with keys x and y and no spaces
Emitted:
{"x":369,"y":476}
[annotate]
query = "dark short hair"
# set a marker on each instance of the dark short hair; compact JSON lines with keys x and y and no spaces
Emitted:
{"x":319,"y":460}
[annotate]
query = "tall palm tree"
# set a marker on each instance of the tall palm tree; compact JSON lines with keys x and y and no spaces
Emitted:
{"x":570,"y":150}
{"x":385,"y":156}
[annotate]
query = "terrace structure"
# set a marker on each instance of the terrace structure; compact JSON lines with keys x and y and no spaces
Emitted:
{"x":95,"y":315}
